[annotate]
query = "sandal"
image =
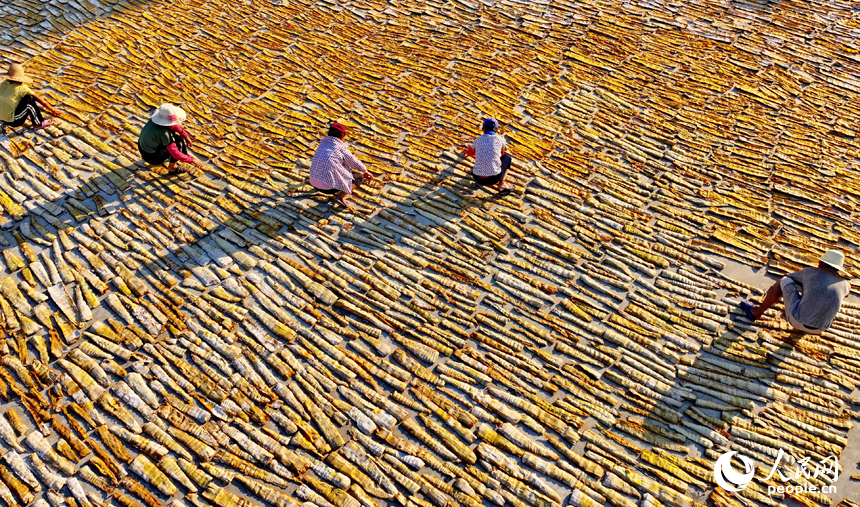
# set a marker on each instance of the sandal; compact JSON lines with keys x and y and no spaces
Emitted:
{"x":46,"y":123}
{"x":747,"y":306}
{"x":505,"y":191}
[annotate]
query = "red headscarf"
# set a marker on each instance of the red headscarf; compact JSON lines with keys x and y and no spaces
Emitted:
{"x":337,"y":126}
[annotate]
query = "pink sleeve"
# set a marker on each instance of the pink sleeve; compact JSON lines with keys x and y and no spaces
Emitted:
{"x":178,"y":155}
{"x":179,"y":130}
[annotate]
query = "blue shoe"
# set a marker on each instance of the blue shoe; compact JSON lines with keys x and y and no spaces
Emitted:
{"x":747,"y":306}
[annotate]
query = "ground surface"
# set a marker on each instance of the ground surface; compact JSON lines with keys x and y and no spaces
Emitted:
{"x":712,"y":143}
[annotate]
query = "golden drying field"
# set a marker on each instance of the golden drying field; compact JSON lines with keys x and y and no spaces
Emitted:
{"x":222,"y":337}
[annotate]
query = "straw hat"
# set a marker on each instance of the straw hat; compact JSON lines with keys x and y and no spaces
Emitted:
{"x":833,"y":258}
{"x":168,"y":114}
{"x":16,"y":73}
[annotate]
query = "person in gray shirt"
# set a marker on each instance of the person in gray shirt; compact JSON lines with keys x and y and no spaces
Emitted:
{"x":812,"y":296}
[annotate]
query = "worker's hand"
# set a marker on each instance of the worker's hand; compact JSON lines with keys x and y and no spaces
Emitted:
{"x":197,"y":163}
{"x":369,"y":175}
{"x":56,"y":112}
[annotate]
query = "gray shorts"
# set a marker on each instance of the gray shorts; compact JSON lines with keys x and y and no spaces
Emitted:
{"x":791,"y":300}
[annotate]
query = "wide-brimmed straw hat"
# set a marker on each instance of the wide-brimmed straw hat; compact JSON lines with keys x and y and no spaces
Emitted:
{"x":833,"y":258}
{"x":168,"y":115}
{"x":16,"y":73}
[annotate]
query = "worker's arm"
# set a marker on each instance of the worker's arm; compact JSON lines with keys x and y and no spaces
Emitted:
{"x":182,"y":132}
{"x":48,"y":107}
{"x":182,"y":157}
{"x":350,"y":161}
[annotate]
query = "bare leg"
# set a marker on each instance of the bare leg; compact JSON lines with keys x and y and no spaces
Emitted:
{"x":506,"y":167}
{"x":340,"y":198}
{"x":171,"y":166}
{"x":501,"y":185}
{"x":771,"y":297}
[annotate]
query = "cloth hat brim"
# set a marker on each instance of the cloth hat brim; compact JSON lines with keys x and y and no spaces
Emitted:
{"x":165,"y":122}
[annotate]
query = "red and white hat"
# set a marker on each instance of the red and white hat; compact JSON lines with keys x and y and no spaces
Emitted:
{"x":168,"y":115}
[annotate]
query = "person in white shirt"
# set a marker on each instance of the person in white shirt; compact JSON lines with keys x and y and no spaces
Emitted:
{"x":492,"y":161}
{"x":332,"y":166}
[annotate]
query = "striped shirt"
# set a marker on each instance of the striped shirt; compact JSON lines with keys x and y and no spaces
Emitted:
{"x":488,"y":154}
{"x":332,"y":166}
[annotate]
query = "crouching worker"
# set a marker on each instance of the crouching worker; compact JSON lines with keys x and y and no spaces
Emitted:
{"x":163,"y":139}
{"x":332,"y":166}
{"x":18,"y":103}
{"x":812,"y":296}
{"x":492,"y":161}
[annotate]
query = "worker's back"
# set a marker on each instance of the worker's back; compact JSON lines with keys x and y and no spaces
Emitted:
{"x":823,"y":291}
{"x":11,"y":94}
{"x":488,"y":150}
{"x":153,"y":137}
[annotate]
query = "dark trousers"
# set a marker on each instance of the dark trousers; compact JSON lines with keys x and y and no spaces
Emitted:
{"x":27,"y":108}
{"x":496,"y":178}
{"x":162,"y":155}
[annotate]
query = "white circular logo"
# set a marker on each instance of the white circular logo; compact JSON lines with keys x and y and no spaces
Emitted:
{"x":726,"y":476}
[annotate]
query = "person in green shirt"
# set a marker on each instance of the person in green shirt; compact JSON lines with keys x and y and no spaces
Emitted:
{"x":163,"y":139}
{"x":18,"y":102}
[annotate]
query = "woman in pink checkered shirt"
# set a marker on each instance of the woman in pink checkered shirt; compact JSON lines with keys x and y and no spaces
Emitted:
{"x":332,"y":166}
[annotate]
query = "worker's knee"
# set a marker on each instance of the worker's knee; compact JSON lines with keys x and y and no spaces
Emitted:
{"x":785,"y":283}
{"x":27,"y":100}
